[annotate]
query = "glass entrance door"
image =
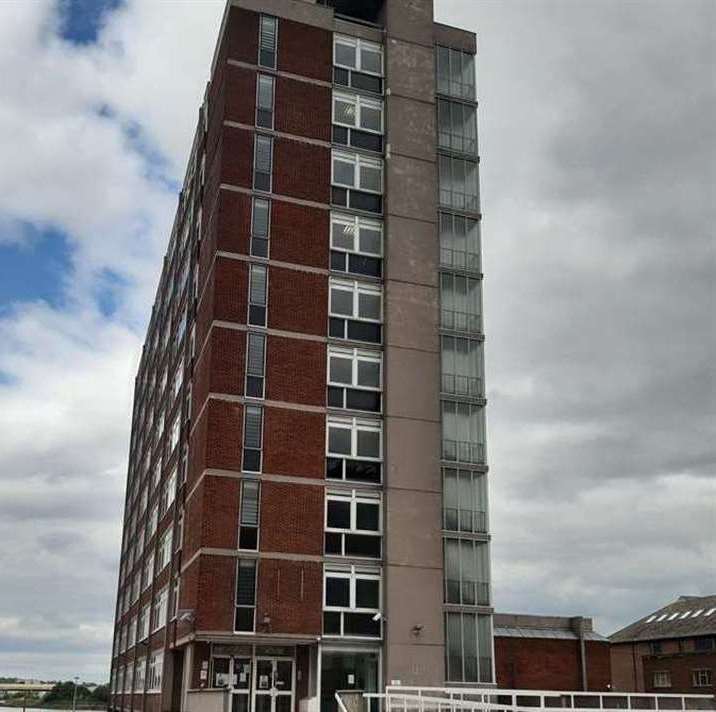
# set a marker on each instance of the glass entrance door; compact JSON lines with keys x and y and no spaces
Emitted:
{"x":240,"y":684}
{"x":273,"y":685}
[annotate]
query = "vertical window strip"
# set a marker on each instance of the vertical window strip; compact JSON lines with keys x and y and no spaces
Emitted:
{"x":268,"y":41}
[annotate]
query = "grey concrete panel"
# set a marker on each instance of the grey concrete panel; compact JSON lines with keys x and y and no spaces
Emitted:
{"x":411,"y":188}
{"x":413,"y":598}
{"x":416,"y":665}
{"x":412,"y":251}
{"x":455,"y":37}
{"x":413,"y":454}
{"x":410,"y":20}
{"x":372,"y":34}
{"x":305,"y":12}
{"x":412,"y":128}
{"x":412,"y":384}
{"x":413,"y":529}
{"x":410,"y":70}
{"x":411,"y":316}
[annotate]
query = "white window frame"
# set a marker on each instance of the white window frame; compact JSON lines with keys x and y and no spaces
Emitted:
{"x":140,"y":674}
{"x":355,"y":222}
{"x":355,"y":356}
{"x":148,"y":571}
{"x":357,"y":44}
{"x":272,"y":79}
{"x":164,"y":551}
{"x":661,"y":679}
{"x":357,"y":160}
{"x":354,"y":498}
{"x":260,"y":136}
{"x":275,"y":49}
{"x":160,"y":604}
{"x":155,"y":672}
{"x":175,"y":433}
{"x":356,"y":288}
{"x":352,"y":574}
{"x":354,"y":425}
{"x":358,"y":101}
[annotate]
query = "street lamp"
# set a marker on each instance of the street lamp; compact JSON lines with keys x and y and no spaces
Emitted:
{"x":74,"y":695}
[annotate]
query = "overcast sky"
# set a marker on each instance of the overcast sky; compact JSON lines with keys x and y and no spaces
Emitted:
{"x":597,"y":131}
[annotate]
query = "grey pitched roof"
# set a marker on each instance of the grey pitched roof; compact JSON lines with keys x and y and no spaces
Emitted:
{"x":688,"y":616}
{"x":522,"y":625}
{"x":546,"y":633}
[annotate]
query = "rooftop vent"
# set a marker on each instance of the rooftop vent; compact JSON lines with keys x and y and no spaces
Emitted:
{"x":367,"y":10}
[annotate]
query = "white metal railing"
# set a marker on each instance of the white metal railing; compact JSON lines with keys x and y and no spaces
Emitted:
{"x":453,"y":699}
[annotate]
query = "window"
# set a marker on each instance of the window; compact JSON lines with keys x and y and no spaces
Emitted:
{"x":457,"y":126}
{"x":249,"y":516}
{"x":258,"y":295}
{"x":255,"y":364}
{"x":353,"y":525}
{"x":148,"y":572}
{"x":263,"y":160}
{"x":357,"y":181}
{"x":461,"y":366}
{"x":170,"y":488}
{"x":464,"y":501}
{"x":260,"y":227}
{"x":655,"y":647}
{"x":139,"y":673}
{"x":152,"y":521}
{"x":351,"y":603}
{"x":181,"y":330}
{"x":176,"y":427}
{"x":468,"y":647}
{"x":358,"y":64}
{"x":245,"y":595}
{"x":704,"y":644}
{"x":253,"y":434}
{"x":175,"y":598}
{"x":459,"y":184}
{"x":662,"y":679}
{"x":164,"y":553}
{"x":354,"y":449}
{"x":268,"y":41}
{"x":460,"y":303}
{"x":178,"y":380}
{"x":143,"y":623}
{"x":463,"y":432}
{"x":159,"y":610}
{"x":154,"y":672}
{"x":357,"y":121}
{"x":466,"y":572}
{"x":701,"y":678}
{"x":354,"y":379}
{"x":356,"y":244}
{"x":460,"y":242}
{"x":132,"y":636}
{"x":129,"y":678}
{"x":355,"y":311}
{"x":456,"y":73}
{"x":264,"y":101}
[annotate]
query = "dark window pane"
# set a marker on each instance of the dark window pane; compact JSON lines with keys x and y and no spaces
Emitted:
{"x":363,"y":545}
{"x":334,"y":543}
{"x":244,"y":619}
{"x":337,"y":592}
{"x":363,"y":471}
{"x":248,"y":538}
{"x":338,"y":261}
{"x":361,"y":624}
{"x":332,"y":623}
{"x":335,"y":397}
{"x":369,"y":141}
{"x":363,"y":400}
{"x":367,"y":82}
{"x":267,"y":59}
{"x":245,"y":582}
{"x":367,"y":593}
{"x":257,"y":315}
{"x":367,"y":517}
{"x":341,"y":76}
{"x":262,"y":181}
{"x":334,"y":468}
{"x":340,"y":135}
{"x":255,"y":387}
{"x":252,"y":460}
{"x":339,"y":196}
{"x":264,"y":117}
{"x":339,"y":514}
{"x":359,"y":264}
{"x":364,"y":331}
{"x":259,"y":247}
{"x":365,"y":201}
{"x":337,"y":328}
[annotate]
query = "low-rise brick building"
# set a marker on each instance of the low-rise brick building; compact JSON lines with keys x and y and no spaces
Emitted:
{"x":550,"y":653}
{"x":670,"y":650}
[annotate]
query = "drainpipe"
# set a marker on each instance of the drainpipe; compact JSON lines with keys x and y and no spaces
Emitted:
{"x":578,"y":625}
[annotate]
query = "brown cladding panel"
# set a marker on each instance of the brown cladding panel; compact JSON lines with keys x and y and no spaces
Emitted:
{"x":290,"y":596}
{"x":291,"y":518}
{"x":294,"y":442}
{"x":296,"y":371}
{"x":301,"y":170}
{"x":298,"y":301}
{"x":305,"y":50}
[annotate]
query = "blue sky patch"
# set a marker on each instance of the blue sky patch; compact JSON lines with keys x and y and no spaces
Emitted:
{"x":82,"y":19}
{"x":34,"y":269}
